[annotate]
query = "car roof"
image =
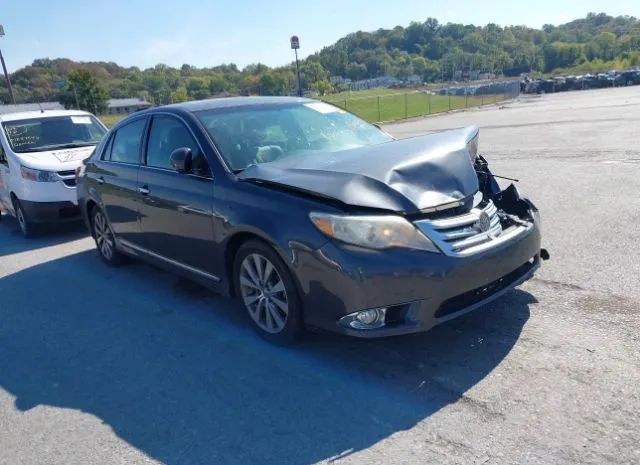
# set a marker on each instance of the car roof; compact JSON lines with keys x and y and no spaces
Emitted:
{"x":41,"y":114}
{"x":232,"y":102}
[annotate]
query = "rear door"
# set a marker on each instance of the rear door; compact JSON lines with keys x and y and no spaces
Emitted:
{"x":176,"y":209}
{"x":117,"y":178}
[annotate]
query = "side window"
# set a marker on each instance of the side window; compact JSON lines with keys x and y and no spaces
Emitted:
{"x":106,"y":152}
{"x":167,"y":134}
{"x":127,"y":142}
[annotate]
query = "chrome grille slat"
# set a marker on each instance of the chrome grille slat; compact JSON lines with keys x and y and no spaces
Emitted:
{"x":461,"y":235}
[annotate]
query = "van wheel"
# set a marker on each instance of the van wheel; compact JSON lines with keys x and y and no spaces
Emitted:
{"x":266,"y":289}
{"x":105,"y":241}
{"x":27,"y":227}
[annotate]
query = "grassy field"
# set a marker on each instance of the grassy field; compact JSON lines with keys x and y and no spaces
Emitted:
{"x":377,"y":105}
{"x":110,"y":120}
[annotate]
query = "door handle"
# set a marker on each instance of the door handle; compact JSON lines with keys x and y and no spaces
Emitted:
{"x":100,"y":180}
{"x":144,"y":190}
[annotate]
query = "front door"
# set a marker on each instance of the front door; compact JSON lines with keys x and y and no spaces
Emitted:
{"x":176,"y":220}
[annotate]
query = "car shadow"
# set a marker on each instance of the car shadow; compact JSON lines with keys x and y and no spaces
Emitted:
{"x":177,"y":373}
{"x":12,"y":241}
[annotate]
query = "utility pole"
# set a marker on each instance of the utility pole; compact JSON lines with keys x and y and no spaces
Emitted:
{"x":4,"y":68}
{"x":75,"y":94}
{"x":295,"y":45}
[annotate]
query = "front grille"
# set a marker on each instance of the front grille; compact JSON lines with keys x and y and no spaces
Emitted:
{"x":68,"y":177}
{"x":462,"y":234}
{"x":475,"y":296}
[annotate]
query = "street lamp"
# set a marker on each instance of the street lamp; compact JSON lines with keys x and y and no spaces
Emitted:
{"x":4,"y":67}
{"x":295,"y":45}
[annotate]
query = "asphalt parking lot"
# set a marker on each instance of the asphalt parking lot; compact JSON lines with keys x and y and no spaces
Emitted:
{"x":134,"y":365}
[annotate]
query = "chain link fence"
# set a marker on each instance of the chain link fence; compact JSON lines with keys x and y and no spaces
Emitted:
{"x":389,"y":105}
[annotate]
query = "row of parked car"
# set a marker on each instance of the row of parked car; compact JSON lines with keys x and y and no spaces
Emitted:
{"x":587,"y":81}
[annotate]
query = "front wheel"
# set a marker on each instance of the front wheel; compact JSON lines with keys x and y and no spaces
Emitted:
{"x":265,"y":287}
{"x":105,"y":241}
{"x":26,"y":227}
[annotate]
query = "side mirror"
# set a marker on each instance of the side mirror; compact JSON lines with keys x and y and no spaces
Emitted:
{"x":181,"y":159}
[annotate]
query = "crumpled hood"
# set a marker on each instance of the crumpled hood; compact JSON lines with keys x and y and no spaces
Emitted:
{"x":405,"y":175}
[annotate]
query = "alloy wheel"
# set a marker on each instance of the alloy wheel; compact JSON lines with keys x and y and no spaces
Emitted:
{"x":104,"y":238}
{"x":263,"y":293}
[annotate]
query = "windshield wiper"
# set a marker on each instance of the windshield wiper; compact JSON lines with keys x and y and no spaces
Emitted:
{"x":71,"y":145}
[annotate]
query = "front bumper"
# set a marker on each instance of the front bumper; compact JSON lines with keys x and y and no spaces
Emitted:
{"x":420,"y":289}
{"x":50,"y":212}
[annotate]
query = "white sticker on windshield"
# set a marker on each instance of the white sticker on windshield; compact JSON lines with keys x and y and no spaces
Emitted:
{"x":322,"y":107}
{"x":81,"y":120}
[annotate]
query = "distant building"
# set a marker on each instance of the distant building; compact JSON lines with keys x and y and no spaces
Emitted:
{"x":4,"y":109}
{"x":124,"y":106}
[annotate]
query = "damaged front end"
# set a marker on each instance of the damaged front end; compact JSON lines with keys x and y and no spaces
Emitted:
{"x":492,"y":218}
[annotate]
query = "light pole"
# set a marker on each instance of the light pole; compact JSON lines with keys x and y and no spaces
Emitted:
{"x":4,"y":67}
{"x":295,"y":45}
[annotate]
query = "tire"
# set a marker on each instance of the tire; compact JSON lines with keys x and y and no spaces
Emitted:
{"x":105,"y":241}
{"x":27,"y":228}
{"x":266,"y":290}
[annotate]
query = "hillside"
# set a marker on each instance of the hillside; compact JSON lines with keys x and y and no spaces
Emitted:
{"x":429,"y":49}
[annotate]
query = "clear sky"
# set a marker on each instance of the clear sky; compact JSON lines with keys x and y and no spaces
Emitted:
{"x":209,"y":32}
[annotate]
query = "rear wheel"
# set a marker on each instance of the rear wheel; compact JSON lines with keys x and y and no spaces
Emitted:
{"x":26,"y":227}
{"x":105,"y":241}
{"x":266,"y":289}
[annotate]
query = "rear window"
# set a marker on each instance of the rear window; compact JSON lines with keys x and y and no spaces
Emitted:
{"x":50,"y":133}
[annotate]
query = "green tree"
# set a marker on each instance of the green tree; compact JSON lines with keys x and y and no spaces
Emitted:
{"x":197,"y":88}
{"x":312,"y":72}
{"x":323,"y":87}
{"x":356,"y":71}
{"x":84,"y":86}
{"x":179,"y":95}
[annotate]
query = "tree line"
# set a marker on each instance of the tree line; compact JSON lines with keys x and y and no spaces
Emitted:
{"x":431,"y":50}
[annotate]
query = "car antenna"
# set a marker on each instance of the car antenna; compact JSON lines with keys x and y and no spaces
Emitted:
{"x":41,"y":109}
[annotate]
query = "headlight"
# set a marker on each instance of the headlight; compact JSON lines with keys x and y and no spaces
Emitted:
{"x":374,"y":232}
{"x":472,"y":146}
{"x":38,"y":175}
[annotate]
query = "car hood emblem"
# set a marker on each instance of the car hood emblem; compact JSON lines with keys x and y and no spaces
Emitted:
{"x":484,"y":222}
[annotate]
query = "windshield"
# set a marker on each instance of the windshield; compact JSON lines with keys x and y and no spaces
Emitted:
{"x":264,"y":133}
{"x":50,"y":133}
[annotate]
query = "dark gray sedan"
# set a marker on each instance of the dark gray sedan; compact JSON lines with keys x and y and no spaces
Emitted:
{"x":310,"y":216}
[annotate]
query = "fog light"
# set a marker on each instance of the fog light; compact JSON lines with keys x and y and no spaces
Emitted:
{"x":366,"y":319}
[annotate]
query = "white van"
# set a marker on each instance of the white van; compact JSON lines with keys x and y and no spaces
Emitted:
{"x":39,"y":154}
